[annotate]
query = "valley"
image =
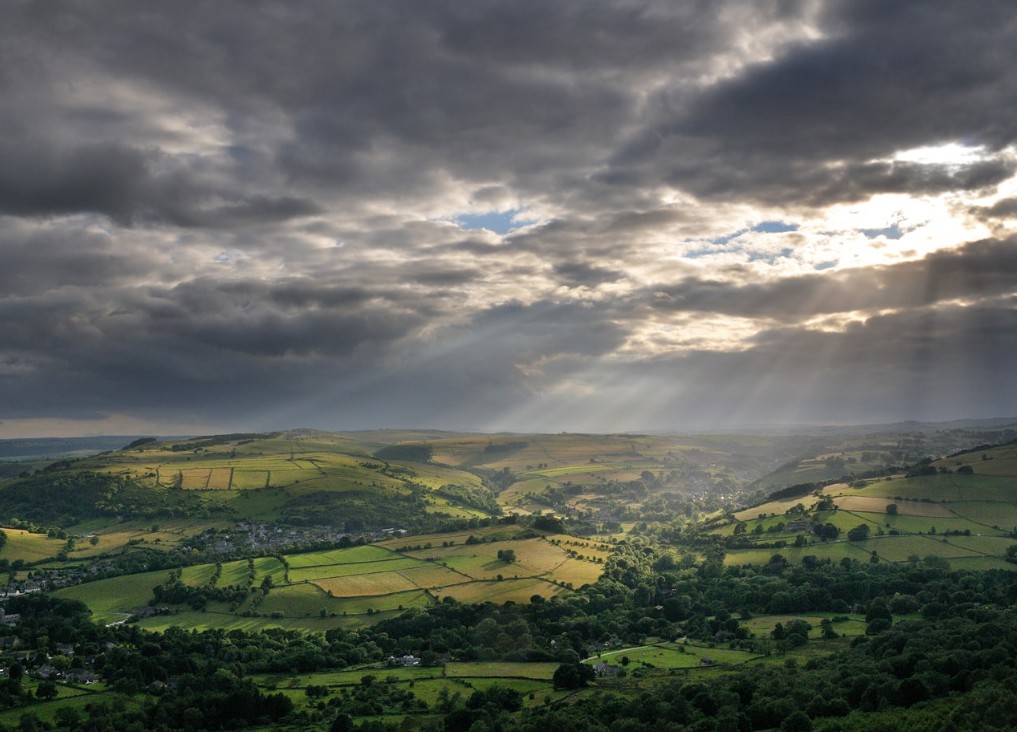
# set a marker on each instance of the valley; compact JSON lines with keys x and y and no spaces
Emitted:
{"x":416,"y":578}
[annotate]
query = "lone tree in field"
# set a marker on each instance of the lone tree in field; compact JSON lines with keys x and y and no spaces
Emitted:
{"x":891,"y":509}
{"x":859,"y":533}
{"x":507,"y":555}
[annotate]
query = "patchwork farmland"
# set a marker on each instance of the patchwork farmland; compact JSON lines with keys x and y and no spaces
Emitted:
{"x":962,"y":509}
{"x":358,"y":584}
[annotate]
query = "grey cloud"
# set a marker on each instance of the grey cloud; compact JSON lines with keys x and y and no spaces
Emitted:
{"x":1005,"y":208}
{"x":108,"y":179}
{"x":235,"y":208}
{"x":884,"y":79}
{"x":37,"y":261}
{"x":120,"y":182}
{"x":979,"y":270}
{"x":450,"y":277}
{"x":581,"y":273}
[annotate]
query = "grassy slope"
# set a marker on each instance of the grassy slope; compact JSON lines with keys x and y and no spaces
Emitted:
{"x":362,"y":583}
{"x":983,"y":504}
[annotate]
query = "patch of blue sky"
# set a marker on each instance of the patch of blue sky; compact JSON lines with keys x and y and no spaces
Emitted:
{"x":701,"y":252}
{"x":775,"y":227}
{"x":765,"y":227}
{"x":721,"y":240}
{"x":770,"y":257}
{"x":890,"y":232}
{"x":500,"y":222}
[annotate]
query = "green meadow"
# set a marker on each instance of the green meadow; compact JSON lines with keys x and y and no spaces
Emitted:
{"x":111,"y":599}
{"x":359,"y":584}
{"x":674,"y":656}
{"x":28,"y":547}
{"x":969,"y":519}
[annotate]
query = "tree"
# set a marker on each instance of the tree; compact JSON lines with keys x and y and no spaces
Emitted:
{"x":573,"y":675}
{"x":342,"y":723}
{"x":47,"y":690}
{"x":507,"y":555}
{"x":797,"y":721}
{"x":67,"y":717}
{"x":859,"y":533}
{"x":891,"y":509}
{"x":549,"y":523}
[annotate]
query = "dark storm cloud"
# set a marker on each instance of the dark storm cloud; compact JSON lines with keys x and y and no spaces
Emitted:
{"x":889,"y":77}
{"x":382,"y":97}
{"x":37,"y":261}
{"x":118,"y":181}
{"x":1002,"y":209}
{"x":170,"y":349}
{"x":246,"y":209}
{"x":581,"y":273}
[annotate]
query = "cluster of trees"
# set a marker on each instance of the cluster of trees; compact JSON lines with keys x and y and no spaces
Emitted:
{"x":472,"y":497}
{"x":66,"y":497}
{"x":175,"y":592}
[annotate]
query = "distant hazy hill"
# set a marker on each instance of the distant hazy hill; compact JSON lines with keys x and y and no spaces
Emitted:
{"x":57,"y":447}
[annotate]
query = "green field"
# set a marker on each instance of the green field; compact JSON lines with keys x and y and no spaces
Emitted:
{"x":353,"y":555}
{"x":328,"y":571}
{"x":503,"y":669}
{"x":228,"y":621}
{"x":761,"y":626}
{"x":111,"y":599}
{"x":69,"y":697}
{"x":532,"y":680}
{"x":674,"y":655}
{"x":201,"y":574}
{"x":359,"y":584}
{"x":834,"y":551}
{"x":29,"y":547}
{"x":514,"y":590}
{"x":964,"y":518}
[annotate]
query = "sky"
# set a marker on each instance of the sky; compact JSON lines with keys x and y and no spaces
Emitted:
{"x":518,"y":215}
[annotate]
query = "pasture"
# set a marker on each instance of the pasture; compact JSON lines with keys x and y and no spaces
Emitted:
{"x":352,"y":555}
{"x":28,"y":547}
{"x":72,"y":697}
{"x":673,"y":656}
{"x":193,"y":620}
{"x":451,"y":538}
{"x":360,"y":584}
{"x":111,"y":599}
{"x":113,"y":535}
{"x":330,"y":571}
{"x":967,"y":519}
{"x":501,"y":591}
{"x":499,"y":669}
{"x":763,"y":625}
{"x":876,"y":504}
{"x":428,"y":684}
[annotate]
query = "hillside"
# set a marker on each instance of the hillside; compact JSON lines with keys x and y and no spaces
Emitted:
{"x":962,"y":508}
